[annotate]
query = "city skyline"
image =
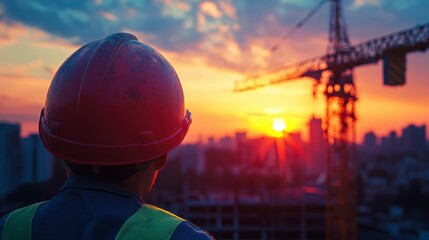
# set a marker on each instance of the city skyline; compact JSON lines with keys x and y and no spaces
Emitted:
{"x":212,"y":44}
{"x":305,"y":133}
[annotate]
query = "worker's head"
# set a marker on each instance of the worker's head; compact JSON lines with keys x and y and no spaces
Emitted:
{"x":115,"y":104}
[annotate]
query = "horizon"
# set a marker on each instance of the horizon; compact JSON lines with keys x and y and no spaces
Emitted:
{"x":204,"y":139}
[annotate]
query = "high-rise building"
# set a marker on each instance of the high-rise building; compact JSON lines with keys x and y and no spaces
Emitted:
{"x":37,"y":161}
{"x":414,"y":139}
{"x":389,"y":144}
{"x":191,"y":157}
{"x":384,"y":144}
{"x":226,"y":142}
{"x":240,"y":137}
{"x":250,"y":152}
{"x":393,"y":141}
{"x":370,"y":143}
{"x":10,"y":157}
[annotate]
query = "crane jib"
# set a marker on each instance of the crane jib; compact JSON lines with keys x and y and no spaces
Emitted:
{"x":368,"y":52}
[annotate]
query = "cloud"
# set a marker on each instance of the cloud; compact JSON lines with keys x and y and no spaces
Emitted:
{"x":19,"y":71}
{"x":210,"y":9}
{"x":228,"y":9}
{"x":15,"y":76}
{"x":224,"y":32}
{"x":109,"y":16}
{"x":360,"y":3}
{"x":186,"y":26}
{"x":10,"y":32}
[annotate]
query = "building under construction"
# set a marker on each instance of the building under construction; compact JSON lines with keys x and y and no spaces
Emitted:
{"x":295,"y":214}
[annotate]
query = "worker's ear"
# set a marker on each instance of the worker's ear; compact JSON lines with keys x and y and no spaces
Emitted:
{"x":160,"y":162}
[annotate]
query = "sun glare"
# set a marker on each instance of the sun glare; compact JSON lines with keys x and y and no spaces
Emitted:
{"x":279,"y":125}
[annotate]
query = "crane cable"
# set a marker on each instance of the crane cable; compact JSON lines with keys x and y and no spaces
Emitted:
{"x":287,"y":35}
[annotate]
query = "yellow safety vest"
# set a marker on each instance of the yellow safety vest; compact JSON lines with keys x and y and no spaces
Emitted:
{"x":151,"y":222}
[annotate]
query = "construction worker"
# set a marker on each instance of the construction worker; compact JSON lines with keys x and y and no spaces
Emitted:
{"x":113,"y":112}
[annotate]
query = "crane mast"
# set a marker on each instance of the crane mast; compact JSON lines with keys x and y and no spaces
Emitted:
{"x":340,"y":131}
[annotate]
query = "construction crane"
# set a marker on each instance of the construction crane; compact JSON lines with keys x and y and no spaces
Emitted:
{"x":341,"y":96}
{"x":369,"y":52}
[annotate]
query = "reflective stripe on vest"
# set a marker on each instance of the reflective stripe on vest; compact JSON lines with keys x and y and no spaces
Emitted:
{"x":18,"y":223}
{"x":149,"y":221}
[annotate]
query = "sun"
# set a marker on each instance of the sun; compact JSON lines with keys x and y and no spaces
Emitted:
{"x":279,"y":125}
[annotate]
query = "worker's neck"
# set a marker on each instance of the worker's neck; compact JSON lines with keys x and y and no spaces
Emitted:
{"x":139,"y":183}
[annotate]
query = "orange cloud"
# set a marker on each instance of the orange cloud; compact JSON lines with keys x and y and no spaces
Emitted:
{"x":183,"y":5}
{"x":359,"y":3}
{"x":9,"y":33}
{"x":107,"y":15}
{"x":228,"y":9}
{"x":210,"y":9}
{"x":16,"y":34}
{"x":20,"y":69}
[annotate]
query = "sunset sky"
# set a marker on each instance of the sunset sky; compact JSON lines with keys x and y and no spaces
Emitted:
{"x":212,"y":44}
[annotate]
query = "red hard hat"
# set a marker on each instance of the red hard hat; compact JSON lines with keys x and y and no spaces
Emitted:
{"x":115,"y":101}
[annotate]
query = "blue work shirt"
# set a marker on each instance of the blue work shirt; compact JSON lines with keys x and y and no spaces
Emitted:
{"x":90,"y":208}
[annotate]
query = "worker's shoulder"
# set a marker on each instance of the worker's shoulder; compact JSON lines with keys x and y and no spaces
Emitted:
{"x":187,"y":230}
{"x":181,"y":228}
